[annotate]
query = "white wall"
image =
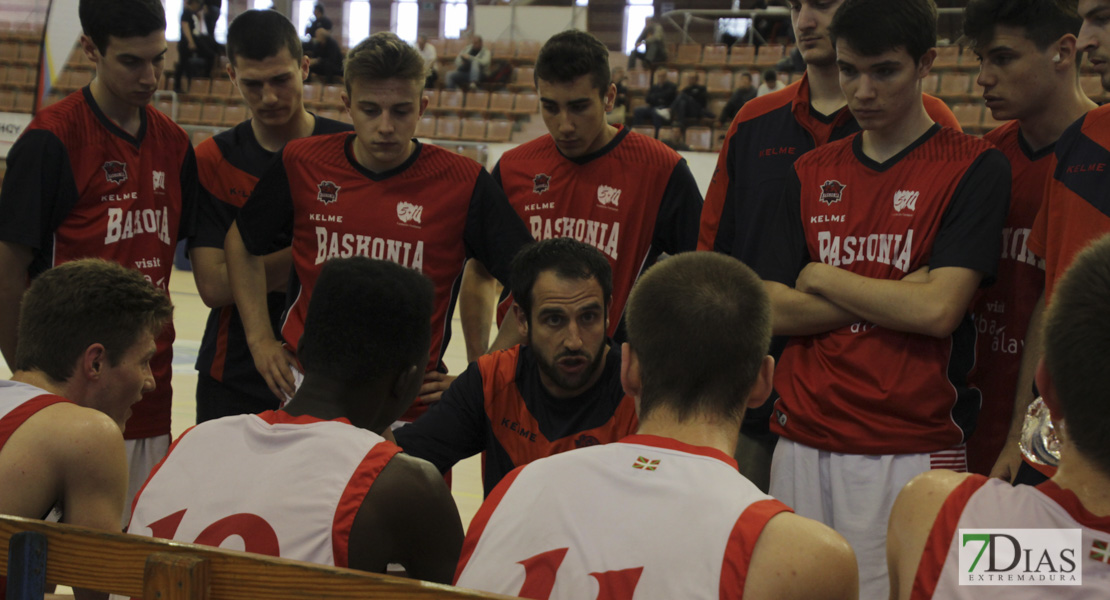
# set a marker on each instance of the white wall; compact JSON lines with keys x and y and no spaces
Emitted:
{"x":532,"y":22}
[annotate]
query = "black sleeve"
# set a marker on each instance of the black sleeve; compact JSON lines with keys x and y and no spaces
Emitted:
{"x":971,"y":230}
{"x":786,"y":252}
{"x":453,"y":428}
{"x":39,"y":189}
{"x":496,"y":174}
{"x":190,"y":192}
{"x":676,"y":226}
{"x":726,"y":224}
{"x":268,"y":213}
{"x":214,"y":218}
{"x":494,"y":232}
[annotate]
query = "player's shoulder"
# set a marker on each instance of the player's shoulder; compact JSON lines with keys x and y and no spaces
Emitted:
{"x":164,"y":130}
{"x":761,"y":106}
{"x":70,"y":428}
{"x":957,"y":145}
{"x":1094,"y":126}
{"x":925,"y":494}
{"x":541,"y":147}
{"x":311,"y":145}
{"x":646,"y":149}
{"x":325,"y":126}
{"x":834,"y":152}
{"x":435,"y":162}
{"x":1003,"y":135}
{"x":830,"y":572}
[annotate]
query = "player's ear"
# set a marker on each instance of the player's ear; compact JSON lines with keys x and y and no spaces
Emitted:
{"x":521,"y":320}
{"x":93,"y":361}
{"x":1064,"y":52}
{"x":631,"y":378}
{"x":346,"y":99}
{"x":231,"y":75}
{"x":89,"y":48}
{"x":925,"y":63}
{"x":408,"y":383}
{"x":306,"y":65}
{"x":610,"y":97}
{"x":761,"y":389}
{"x":423,"y":103}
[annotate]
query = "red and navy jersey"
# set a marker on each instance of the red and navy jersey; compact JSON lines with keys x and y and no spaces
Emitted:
{"x":430,"y":213}
{"x":229,"y":165}
{"x":632,"y":200}
{"x":500,"y":407}
{"x":78,"y":186}
{"x":1076,"y":208}
{"x":1002,"y":311}
{"x":766,"y":137}
{"x":866,"y":389}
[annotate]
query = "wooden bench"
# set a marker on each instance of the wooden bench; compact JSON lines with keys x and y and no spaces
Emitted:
{"x":35,"y":552}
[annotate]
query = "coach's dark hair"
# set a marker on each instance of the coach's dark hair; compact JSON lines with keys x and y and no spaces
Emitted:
{"x":1077,"y":350}
{"x":571,"y":54}
{"x":1043,"y":21}
{"x":260,"y":34}
{"x":367,"y":319}
{"x":872,"y":27}
{"x":569,"y":258}
{"x":383,"y":56}
{"x":120,"y":18}
{"x":84,"y":302}
{"x":700,"y":324}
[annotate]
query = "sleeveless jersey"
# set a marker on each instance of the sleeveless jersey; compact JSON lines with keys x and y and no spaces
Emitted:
{"x":632,"y":200}
{"x":619,"y":517}
{"x":1076,"y":210}
{"x":1002,"y":311}
{"x":271,"y":483}
{"x":866,"y":389}
{"x":19,"y":402}
{"x":78,"y":186}
{"x":981,"y":503}
{"x":429,"y":214}
{"x":229,"y":165}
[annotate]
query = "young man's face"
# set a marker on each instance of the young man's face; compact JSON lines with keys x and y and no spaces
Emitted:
{"x":881,"y":90}
{"x":121,"y":386}
{"x":385,"y":114}
{"x":574,"y":113}
{"x":130,"y":67}
{"x":273,"y":87}
{"x":1094,"y":36}
{"x":1017,"y":78}
{"x":811,"y":19}
{"x":567,"y":332}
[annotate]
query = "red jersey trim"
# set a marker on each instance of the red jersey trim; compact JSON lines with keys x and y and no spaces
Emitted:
{"x":673,"y":444}
{"x":939,"y":541}
{"x":1070,"y":502}
{"x":481,"y":519}
{"x":19,"y":415}
{"x":219,"y":359}
{"x":354,"y":495}
{"x":278,"y":417}
{"x":741,"y":544}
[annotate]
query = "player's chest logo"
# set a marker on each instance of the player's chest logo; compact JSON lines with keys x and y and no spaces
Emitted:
{"x":608,"y":197}
{"x":409,"y":214}
{"x":328,"y":192}
{"x":159,"y":181}
{"x":832,"y":191}
{"x":541,"y":183}
{"x":905,"y":202}
{"x":115,"y":172}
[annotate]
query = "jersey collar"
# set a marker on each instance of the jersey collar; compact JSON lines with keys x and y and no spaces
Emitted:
{"x":857,"y":149}
{"x":622,"y":131}
{"x":348,"y":149}
{"x":1070,"y":502}
{"x":673,"y":444}
{"x":114,"y":129}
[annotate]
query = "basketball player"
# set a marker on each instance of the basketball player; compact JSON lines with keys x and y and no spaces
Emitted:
{"x":627,"y":195}
{"x":766,"y":137}
{"x":101,"y":173}
{"x":923,"y":546}
{"x":664,"y":513}
{"x":1075,"y":210}
{"x":315,"y":481}
{"x":377,"y":193}
{"x":871,"y":262}
{"x":558,"y":391}
{"x":87,"y":331}
{"x":1029,"y":72}
{"x":267,"y":65}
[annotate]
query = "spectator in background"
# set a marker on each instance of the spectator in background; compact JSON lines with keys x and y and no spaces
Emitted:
{"x":197,"y":50}
{"x":471,"y":65}
{"x":318,"y":20}
{"x":691,"y":103}
{"x":326,"y":57}
{"x":620,"y":106}
{"x":212,"y":14}
{"x":740,"y":96}
{"x":655,"y":50}
{"x":428,"y":51}
{"x":770,"y":83}
{"x":660,"y":96}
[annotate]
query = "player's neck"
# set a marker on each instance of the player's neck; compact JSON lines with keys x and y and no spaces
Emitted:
{"x":696,"y":431}
{"x":880,"y":145}
{"x":273,"y":138}
{"x":1083,"y":478}
{"x":327,"y":399}
{"x":126,"y":116}
{"x":368,"y":162}
{"x":1044,"y":128}
{"x":825,"y":95}
{"x":607,"y":134}
{"x":43,"y":382}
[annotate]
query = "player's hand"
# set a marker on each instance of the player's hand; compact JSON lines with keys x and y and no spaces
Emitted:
{"x":193,"y":46}
{"x":809,"y":277}
{"x":272,"y":361}
{"x":919,"y":276}
{"x":435,"y":383}
{"x":1006,"y":467}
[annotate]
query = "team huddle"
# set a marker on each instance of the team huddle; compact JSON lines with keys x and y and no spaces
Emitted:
{"x":797,"y":388}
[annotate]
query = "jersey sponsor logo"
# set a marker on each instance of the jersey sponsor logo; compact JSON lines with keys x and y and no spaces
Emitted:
{"x":780,"y":417}
{"x":608,"y":196}
{"x":905,"y":200}
{"x":149,"y":263}
{"x":828,"y":219}
{"x":541,"y":183}
{"x":409,"y":213}
{"x":124,"y":225}
{"x":1086,"y":168}
{"x":331,"y":244}
{"x":1015,"y":247}
{"x":115,"y":172}
{"x":595,"y":233}
{"x":539,"y":206}
{"x":159,"y":180}
{"x":781,"y":150}
{"x":328,"y":192}
{"x":884,"y":248}
{"x":585,"y":440}
{"x":518,"y":429}
{"x":119,"y":197}
{"x":831,"y":191}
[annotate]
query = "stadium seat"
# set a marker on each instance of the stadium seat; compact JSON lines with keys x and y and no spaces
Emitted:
{"x":948,"y":57}
{"x":334,"y":114}
{"x":500,"y":130}
{"x":426,"y":127}
{"x":688,"y":55}
{"x":526,"y":52}
{"x":501,"y":49}
{"x":188,"y":113}
{"x":647,"y":130}
{"x":7,"y":100}
{"x":523,"y":79}
{"x":476,"y":101}
{"x":715,"y":55}
{"x":200,"y":135}
{"x":742,"y":56}
{"x":222,"y":89}
{"x":311,"y":95}
{"x":473,"y":129}
{"x":968,"y":114}
{"x":234,"y":114}
{"x":527,"y":103}
{"x":433,"y":97}
{"x":211,"y":114}
{"x":954,"y":87}
{"x":930,"y":83}
{"x":699,"y":138}
{"x":638,"y":81}
{"x":450,"y":100}
{"x":719,"y":82}
{"x":333,"y":96}
{"x":164,"y":105}
{"x":447,"y":127}
{"x":768,"y":56}
{"x":501,"y":103}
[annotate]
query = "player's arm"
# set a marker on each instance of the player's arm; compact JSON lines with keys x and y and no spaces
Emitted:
{"x":795,"y":312}
{"x":14,"y":260}
{"x":676,"y":226}
{"x":821,"y":568}
{"x":911,"y":521}
{"x":1006,"y":467}
{"x":478,"y":294}
{"x":408,"y":517}
{"x":713,"y":225}
{"x":452,"y":429}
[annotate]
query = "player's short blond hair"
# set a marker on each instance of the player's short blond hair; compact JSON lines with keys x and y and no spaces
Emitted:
{"x":383,"y":56}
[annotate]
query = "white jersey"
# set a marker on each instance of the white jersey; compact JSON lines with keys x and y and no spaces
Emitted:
{"x":270,"y":483}
{"x":19,"y":402}
{"x":646,"y":517}
{"x":981,"y":503}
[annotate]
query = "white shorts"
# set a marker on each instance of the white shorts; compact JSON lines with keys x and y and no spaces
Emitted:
{"x":142,"y":456}
{"x":853,"y":494}
{"x":298,"y":379}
